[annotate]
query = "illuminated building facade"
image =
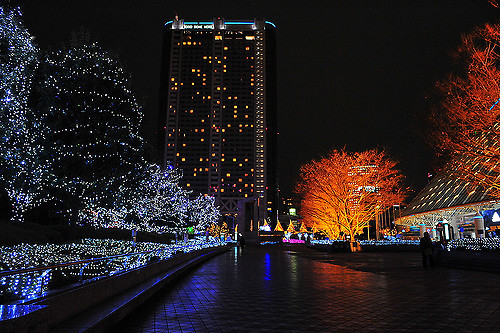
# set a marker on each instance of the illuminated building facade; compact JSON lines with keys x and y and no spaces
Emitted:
{"x":218,"y":114}
{"x":448,"y":201}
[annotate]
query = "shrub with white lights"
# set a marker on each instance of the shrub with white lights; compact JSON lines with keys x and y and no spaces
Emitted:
{"x":111,"y":257}
{"x":474,"y":244}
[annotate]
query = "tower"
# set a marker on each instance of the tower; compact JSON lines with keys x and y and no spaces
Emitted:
{"x":218,"y":114}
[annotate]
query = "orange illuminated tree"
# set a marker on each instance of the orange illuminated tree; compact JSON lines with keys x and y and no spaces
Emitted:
{"x":467,"y":119}
{"x":344,"y":191}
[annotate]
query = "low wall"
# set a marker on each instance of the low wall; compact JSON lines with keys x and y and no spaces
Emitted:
{"x":64,"y":304}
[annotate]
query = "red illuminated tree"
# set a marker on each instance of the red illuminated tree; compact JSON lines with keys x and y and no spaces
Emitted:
{"x":467,"y":121}
{"x":343,"y":191}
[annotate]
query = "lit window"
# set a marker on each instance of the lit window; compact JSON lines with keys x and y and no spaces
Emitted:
{"x":218,"y":37}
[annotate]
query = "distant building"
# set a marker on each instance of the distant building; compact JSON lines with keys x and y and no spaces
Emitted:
{"x":289,"y":213}
{"x":218,"y":119}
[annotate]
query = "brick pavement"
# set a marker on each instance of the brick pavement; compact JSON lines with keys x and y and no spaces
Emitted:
{"x":290,"y":288}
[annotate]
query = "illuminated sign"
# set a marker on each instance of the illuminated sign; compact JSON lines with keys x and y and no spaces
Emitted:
{"x":292,"y":211}
{"x":198,"y":26}
{"x":495,"y":217}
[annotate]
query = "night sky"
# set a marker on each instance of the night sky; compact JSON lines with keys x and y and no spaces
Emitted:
{"x":351,"y":73}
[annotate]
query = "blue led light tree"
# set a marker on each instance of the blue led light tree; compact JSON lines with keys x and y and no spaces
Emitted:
{"x":69,"y":137}
{"x":91,"y":126}
{"x":20,"y":171}
{"x":160,"y":199}
{"x":203,"y":212}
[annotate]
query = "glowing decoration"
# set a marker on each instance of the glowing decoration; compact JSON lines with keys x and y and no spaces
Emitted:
{"x":220,"y":231}
{"x":474,"y":244}
{"x":278,"y":227}
{"x":293,"y":241}
{"x":118,"y":256}
{"x":344,"y":191}
{"x":265,"y":227}
{"x":466,"y":122}
{"x":203,"y":212}
{"x":91,"y":120}
{"x":20,"y":171}
{"x":368,"y":242}
{"x":69,"y":136}
{"x":495,"y":217}
{"x":160,"y":198}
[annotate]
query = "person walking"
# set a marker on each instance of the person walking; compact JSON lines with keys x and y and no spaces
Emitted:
{"x":427,"y":249}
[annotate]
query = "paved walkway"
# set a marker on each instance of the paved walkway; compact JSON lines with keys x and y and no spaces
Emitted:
{"x":280,"y":288}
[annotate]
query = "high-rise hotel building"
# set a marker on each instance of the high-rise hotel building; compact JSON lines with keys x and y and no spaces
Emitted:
{"x":218,"y":114}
